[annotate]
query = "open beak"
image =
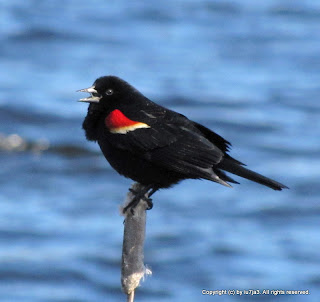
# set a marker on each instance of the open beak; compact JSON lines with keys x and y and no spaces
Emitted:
{"x":92,"y":98}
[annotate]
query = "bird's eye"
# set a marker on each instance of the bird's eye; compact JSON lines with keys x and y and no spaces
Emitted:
{"x":109,"y":92}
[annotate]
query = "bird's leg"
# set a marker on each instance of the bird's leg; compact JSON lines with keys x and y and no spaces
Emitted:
{"x":154,"y":190}
{"x":141,"y":195}
{"x":135,"y":201}
{"x":149,"y":200}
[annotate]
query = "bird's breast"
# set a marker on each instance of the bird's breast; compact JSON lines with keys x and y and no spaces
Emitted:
{"x":118,"y":123}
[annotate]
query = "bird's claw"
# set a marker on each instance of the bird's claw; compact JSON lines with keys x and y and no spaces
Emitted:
{"x":135,"y":201}
{"x":149,"y":203}
{"x":133,"y":191}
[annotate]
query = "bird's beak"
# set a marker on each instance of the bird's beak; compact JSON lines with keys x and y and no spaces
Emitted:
{"x":92,"y":98}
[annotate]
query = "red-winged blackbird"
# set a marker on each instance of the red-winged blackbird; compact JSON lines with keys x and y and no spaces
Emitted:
{"x":153,"y":145}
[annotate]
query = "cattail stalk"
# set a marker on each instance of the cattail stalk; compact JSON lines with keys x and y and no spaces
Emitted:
{"x":133,"y":269}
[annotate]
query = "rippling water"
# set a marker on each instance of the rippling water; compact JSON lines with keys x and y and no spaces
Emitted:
{"x":247,"y":69}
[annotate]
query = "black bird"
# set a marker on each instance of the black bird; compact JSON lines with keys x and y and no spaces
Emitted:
{"x":155,"y":146}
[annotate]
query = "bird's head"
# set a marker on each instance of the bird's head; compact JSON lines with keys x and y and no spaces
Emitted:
{"x":105,"y":90}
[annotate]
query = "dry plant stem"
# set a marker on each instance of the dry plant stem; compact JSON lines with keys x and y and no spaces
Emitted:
{"x":130,"y":297}
{"x":133,"y":268}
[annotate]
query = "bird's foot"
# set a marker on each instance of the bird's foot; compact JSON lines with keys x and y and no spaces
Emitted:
{"x":139,"y":195}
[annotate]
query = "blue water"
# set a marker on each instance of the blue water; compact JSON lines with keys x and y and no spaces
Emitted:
{"x":250,"y":70}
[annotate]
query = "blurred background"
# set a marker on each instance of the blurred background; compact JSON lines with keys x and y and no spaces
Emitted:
{"x":249,"y":70}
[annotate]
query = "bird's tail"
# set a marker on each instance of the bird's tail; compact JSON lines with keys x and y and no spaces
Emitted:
{"x":236,"y":168}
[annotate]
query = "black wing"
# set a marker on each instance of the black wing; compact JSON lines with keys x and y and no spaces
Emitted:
{"x":172,"y":142}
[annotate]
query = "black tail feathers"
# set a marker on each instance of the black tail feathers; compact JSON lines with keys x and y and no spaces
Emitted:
{"x":235,"y":168}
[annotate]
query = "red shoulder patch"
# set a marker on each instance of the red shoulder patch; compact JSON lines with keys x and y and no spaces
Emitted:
{"x":117,"y":122}
{"x":117,"y":119}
